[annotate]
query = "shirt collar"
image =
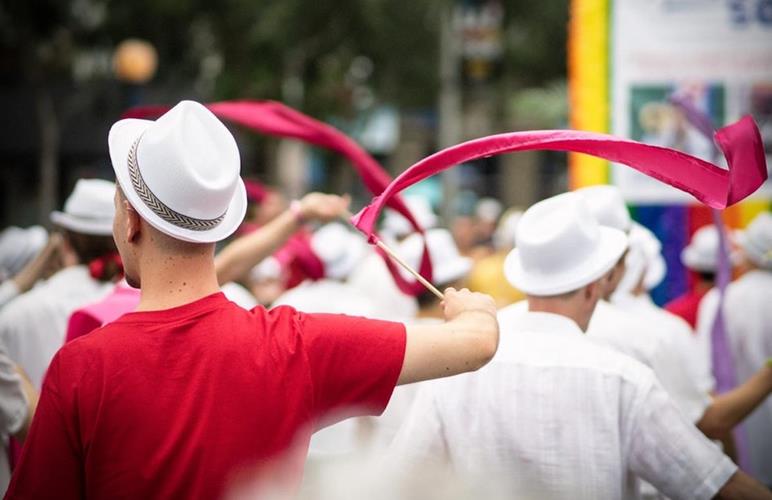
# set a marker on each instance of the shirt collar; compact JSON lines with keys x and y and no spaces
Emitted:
{"x":544,"y":322}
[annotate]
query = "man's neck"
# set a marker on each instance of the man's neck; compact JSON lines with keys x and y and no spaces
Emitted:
{"x":174,"y":280}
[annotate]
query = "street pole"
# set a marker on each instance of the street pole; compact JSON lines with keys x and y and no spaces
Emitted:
{"x":450,"y":115}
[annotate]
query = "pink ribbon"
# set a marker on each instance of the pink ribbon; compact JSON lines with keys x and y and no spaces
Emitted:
{"x":274,"y":118}
{"x":718,"y":188}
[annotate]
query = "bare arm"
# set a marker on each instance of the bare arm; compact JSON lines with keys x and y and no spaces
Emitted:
{"x":731,"y":408}
{"x":236,"y":259}
{"x":742,"y":486}
{"x":31,"y":395}
{"x":43,"y":263}
{"x":465,"y":342}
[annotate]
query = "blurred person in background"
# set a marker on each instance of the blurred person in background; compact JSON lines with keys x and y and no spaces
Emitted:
{"x":33,"y":325}
{"x":18,"y":400}
{"x":487,"y":275}
{"x":26,"y":257}
{"x":700,"y":256}
{"x":487,"y":213}
{"x":555,"y":415}
{"x":748,"y":324}
{"x":130,"y":407}
{"x":340,"y":251}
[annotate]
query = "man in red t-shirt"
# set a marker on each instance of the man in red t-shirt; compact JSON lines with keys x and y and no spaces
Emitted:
{"x":191,"y":396}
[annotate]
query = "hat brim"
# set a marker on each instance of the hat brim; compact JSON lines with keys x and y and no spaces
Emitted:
{"x":84,"y":226}
{"x":122,"y":136}
{"x":610,"y":248}
{"x":697,"y":262}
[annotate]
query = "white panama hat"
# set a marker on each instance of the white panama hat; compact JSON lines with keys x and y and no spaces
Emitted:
{"x":561,"y":247}
{"x":89,"y":209}
{"x":701,"y":254}
{"x":607,"y":205}
{"x":756,"y":240}
{"x":448,"y":265}
{"x":18,"y":246}
{"x":339,"y":249}
{"x":643,"y":261}
{"x":181,"y":173}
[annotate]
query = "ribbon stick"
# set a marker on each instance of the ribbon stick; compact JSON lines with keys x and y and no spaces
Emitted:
{"x":721,"y":354}
{"x":711,"y":184}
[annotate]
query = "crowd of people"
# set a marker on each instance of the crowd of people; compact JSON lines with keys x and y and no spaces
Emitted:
{"x":184,"y":333}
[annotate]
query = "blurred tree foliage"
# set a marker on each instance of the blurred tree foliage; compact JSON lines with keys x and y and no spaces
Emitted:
{"x":296,"y":50}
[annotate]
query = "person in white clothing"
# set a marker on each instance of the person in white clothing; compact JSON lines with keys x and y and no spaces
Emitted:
{"x":748,"y":325}
{"x":633,"y":325}
{"x":555,"y":415}
{"x":18,"y":400}
{"x":33,"y":325}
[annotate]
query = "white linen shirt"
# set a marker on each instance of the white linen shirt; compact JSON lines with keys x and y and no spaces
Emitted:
{"x":748,"y":321}
{"x":644,"y":337}
{"x":33,"y":325}
{"x":557,"y":416}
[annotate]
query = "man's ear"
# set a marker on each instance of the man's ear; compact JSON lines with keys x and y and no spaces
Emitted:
{"x":593,"y":290}
{"x":133,"y":223}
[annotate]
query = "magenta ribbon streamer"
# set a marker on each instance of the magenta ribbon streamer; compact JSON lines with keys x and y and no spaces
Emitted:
{"x":722,"y":356}
{"x":276,"y":119}
{"x":716,"y":187}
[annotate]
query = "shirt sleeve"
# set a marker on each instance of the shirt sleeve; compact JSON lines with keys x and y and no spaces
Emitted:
{"x":671,"y":453}
{"x":50,"y":465}
{"x":13,"y":403}
{"x":354,"y":363}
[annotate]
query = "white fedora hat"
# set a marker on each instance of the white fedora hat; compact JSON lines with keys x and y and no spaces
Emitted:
{"x":701,"y":254}
{"x":18,"y":246}
{"x":89,"y":209}
{"x":181,"y":173}
{"x":607,"y":205}
{"x":756,"y":240}
{"x":448,"y":265}
{"x":561,"y":247}
{"x":339,"y":249}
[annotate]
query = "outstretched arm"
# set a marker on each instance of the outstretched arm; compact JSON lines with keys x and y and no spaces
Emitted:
{"x":236,"y":259}
{"x":465,"y":342}
{"x":741,"y":486}
{"x":731,"y":408}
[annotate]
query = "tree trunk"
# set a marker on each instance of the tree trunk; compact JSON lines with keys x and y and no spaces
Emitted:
{"x":48,"y":168}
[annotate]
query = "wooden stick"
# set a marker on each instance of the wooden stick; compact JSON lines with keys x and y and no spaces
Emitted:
{"x":383,"y":246}
{"x":396,"y":258}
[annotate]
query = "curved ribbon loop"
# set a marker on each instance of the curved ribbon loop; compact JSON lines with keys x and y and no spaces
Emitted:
{"x":716,"y":187}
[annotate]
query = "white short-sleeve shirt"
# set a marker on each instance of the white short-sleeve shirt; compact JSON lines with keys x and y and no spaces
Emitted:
{"x":13,"y":412}
{"x":557,"y":416}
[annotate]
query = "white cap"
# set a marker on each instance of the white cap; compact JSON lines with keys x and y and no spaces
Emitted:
{"x":181,"y":173}
{"x":756,"y":240}
{"x":398,"y":226}
{"x":560,"y":247}
{"x":89,"y":209}
{"x":339,"y":249}
{"x":18,"y":246}
{"x":448,"y":265}
{"x":607,"y":205}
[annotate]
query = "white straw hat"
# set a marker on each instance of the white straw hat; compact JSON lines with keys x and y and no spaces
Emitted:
{"x":339,"y":249}
{"x":181,"y":173}
{"x":89,"y":209}
{"x":756,"y":240}
{"x":607,"y":205}
{"x":561,"y":248}
{"x":448,"y":265}
{"x":644,"y":260}
{"x":18,"y":246}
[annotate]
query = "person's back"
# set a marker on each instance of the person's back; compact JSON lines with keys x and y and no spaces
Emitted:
{"x":149,"y":426}
{"x":577,"y":418}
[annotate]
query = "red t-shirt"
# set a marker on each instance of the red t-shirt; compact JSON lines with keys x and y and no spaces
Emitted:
{"x":178,"y":403}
